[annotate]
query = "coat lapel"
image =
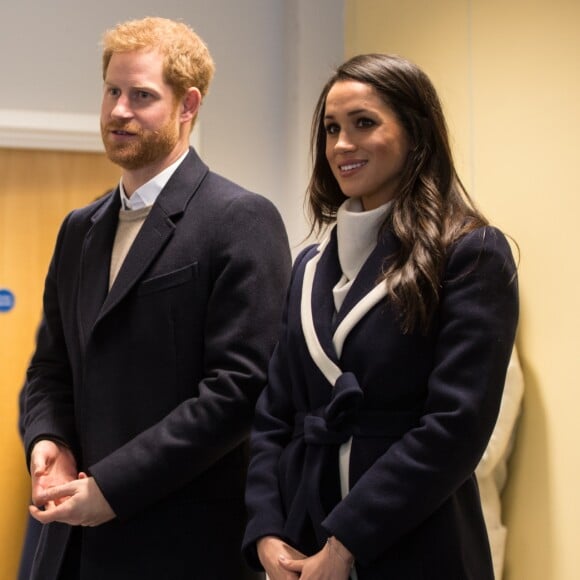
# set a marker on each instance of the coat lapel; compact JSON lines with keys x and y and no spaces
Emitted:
{"x":315,"y":311}
{"x":152,"y":238}
{"x":327,"y":275}
{"x":365,"y":293}
{"x":158,"y":228}
{"x":324,"y":332}
{"x":368,"y":275}
{"x":95,"y":263}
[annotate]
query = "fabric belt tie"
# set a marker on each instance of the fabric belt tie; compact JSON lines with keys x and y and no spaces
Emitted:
{"x":324,"y":430}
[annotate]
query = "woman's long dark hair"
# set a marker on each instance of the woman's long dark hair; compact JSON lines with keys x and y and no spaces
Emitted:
{"x":431,"y":210}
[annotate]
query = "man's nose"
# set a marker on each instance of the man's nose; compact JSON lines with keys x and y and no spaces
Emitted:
{"x":122,"y":108}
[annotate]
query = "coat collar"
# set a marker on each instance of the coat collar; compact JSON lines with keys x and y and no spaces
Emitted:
{"x":367,"y":278}
{"x":95,"y":301}
{"x":325,"y":332}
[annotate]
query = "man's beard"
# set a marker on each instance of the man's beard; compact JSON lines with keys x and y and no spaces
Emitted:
{"x":144,"y":148}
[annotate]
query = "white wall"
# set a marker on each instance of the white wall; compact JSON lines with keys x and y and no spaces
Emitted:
{"x":315,"y":46}
{"x":272,"y":58}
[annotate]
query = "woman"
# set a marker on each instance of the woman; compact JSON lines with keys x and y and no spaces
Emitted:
{"x":387,"y":379}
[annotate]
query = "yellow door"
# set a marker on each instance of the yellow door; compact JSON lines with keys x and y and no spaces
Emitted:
{"x":37,"y":190}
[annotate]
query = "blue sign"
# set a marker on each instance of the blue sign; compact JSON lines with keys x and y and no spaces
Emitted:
{"x":6,"y":300}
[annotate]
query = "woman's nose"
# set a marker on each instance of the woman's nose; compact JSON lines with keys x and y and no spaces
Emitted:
{"x":344,"y":142}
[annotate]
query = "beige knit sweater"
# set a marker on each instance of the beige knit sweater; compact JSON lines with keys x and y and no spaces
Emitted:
{"x":130,"y":222}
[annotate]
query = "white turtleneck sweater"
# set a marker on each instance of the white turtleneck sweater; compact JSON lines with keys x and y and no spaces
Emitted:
{"x":357,"y":232}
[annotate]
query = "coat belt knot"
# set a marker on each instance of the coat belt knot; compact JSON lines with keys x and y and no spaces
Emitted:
{"x":334,"y":424}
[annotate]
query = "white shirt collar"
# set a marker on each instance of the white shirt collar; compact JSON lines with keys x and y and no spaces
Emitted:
{"x":146,"y":195}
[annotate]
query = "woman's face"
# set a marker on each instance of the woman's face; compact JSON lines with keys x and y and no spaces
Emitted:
{"x":366,"y":145}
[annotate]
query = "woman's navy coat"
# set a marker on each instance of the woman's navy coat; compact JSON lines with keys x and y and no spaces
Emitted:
{"x":410,"y":413}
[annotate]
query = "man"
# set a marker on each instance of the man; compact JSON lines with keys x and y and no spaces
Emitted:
{"x":161,"y":309}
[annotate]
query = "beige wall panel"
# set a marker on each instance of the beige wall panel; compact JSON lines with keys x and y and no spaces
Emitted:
{"x":526,"y":62}
{"x":436,"y":36}
{"x":37,"y":190}
{"x":508,"y":72}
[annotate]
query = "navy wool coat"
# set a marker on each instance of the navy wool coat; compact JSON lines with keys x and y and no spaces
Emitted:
{"x":153,"y":384}
{"x":372,"y":435}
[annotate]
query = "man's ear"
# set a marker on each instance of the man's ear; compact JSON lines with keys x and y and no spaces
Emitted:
{"x":190,"y":103}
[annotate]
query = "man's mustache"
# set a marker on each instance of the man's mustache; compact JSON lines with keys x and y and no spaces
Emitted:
{"x":126,"y":127}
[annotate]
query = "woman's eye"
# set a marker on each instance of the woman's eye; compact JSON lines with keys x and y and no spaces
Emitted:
{"x":332,"y":129}
{"x":364,"y":122}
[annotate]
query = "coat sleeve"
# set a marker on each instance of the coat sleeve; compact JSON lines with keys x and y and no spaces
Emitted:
{"x":476,"y":321}
{"x":273,"y":427}
{"x":47,"y":397}
{"x":250,"y":270}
